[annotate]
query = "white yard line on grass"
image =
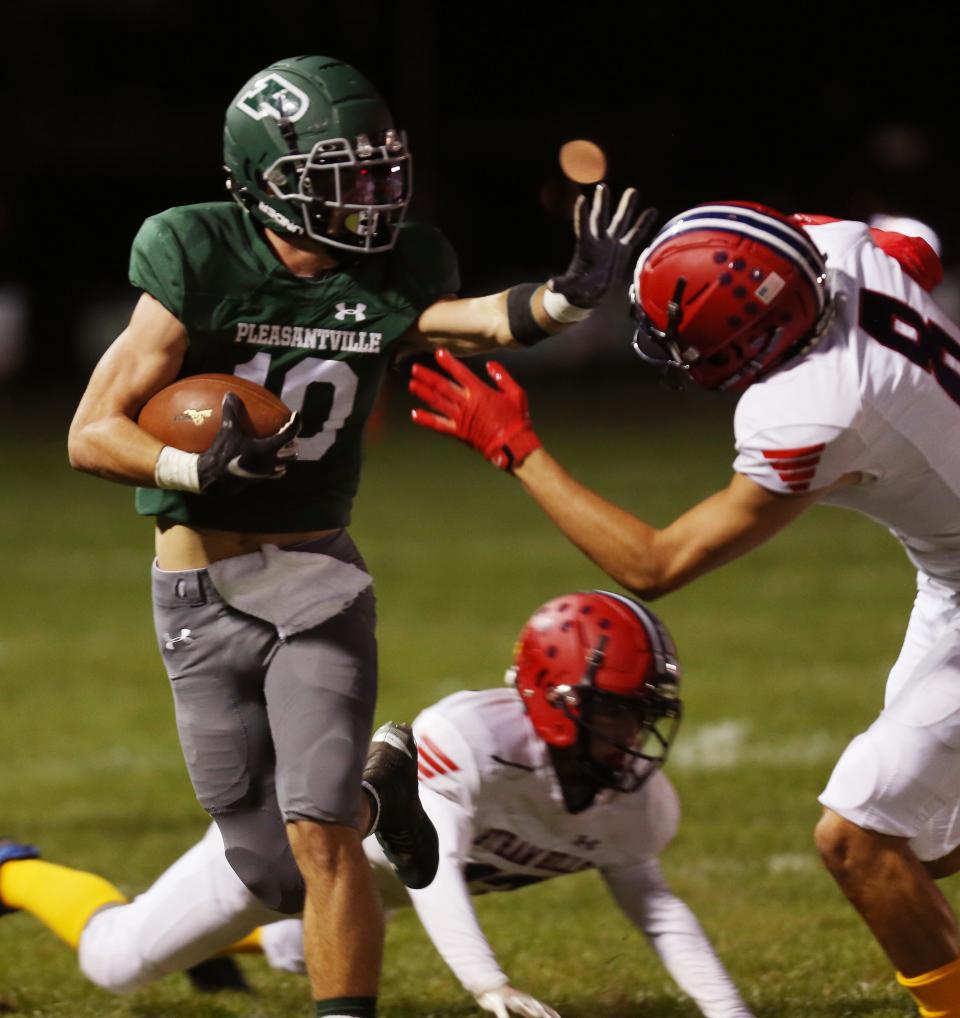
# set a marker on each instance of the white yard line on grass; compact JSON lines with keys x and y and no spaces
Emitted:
{"x":722,"y":745}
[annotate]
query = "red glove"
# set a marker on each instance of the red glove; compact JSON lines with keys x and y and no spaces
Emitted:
{"x":496,"y":422}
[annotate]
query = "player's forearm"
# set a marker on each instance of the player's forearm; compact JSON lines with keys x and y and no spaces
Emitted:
{"x":444,"y":907}
{"x":502,"y":324}
{"x":448,"y":916}
{"x":678,"y":939}
{"x":688,"y":956}
{"x":622,"y":545}
{"x":471,"y":325}
{"x":114,"y":448}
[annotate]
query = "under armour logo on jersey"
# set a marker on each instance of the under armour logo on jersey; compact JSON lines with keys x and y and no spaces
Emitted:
{"x":170,"y":642}
{"x":356,"y":312}
{"x":582,"y":841}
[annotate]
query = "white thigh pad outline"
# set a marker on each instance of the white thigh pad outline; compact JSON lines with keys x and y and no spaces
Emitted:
{"x":894,"y":778}
{"x":930,"y":696}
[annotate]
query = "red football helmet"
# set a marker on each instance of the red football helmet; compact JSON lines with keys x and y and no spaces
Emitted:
{"x":726,"y":292}
{"x":586,"y":661}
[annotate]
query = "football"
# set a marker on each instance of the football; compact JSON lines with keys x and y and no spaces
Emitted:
{"x":186,"y":414}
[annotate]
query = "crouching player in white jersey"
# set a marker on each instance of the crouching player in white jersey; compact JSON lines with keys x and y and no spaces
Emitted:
{"x":852,"y":378}
{"x":558,"y":774}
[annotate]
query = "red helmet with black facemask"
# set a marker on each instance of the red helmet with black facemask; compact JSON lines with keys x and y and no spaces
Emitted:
{"x":726,"y":292}
{"x":598,"y":672}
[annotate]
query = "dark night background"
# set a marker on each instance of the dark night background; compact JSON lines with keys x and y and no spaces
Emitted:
{"x":113,"y":111}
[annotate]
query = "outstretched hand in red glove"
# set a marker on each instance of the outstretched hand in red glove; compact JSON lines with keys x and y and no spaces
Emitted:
{"x":495,"y":422}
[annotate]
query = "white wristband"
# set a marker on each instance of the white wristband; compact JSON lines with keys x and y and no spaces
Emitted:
{"x":176,"y":470}
{"x":561,"y":310}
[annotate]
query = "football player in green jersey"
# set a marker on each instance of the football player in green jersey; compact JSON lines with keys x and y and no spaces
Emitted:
{"x":309,"y":282}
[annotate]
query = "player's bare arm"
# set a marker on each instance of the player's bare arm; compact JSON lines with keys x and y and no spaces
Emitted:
{"x":528,"y":313}
{"x":467,"y":325}
{"x":644,"y":559}
{"x":104,"y":438}
{"x":649,"y":561}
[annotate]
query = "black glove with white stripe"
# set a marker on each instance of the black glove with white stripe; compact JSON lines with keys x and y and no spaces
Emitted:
{"x":604,"y":244}
{"x":236,"y":459}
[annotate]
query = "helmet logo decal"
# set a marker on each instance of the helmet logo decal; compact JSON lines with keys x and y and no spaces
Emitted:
{"x":356,"y":312}
{"x":769,"y":288}
{"x":273,"y":96}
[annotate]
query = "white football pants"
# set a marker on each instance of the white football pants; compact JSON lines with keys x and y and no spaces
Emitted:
{"x":902,"y":775}
{"x":196,"y":909}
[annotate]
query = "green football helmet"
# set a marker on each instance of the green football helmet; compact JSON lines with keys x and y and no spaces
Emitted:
{"x":310,"y":150}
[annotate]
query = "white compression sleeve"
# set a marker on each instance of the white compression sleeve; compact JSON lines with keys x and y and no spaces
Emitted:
{"x":677,"y":937}
{"x":445,"y":908}
{"x":192,"y":911}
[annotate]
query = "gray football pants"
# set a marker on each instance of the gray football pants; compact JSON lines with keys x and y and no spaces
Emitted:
{"x":272,"y":730}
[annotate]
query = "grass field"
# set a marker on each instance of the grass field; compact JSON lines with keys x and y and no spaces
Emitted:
{"x":785,"y":655}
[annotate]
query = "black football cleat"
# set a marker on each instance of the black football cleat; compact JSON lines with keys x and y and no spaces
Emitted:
{"x":217,"y":974}
{"x":405,"y":832}
{"x":11,"y":851}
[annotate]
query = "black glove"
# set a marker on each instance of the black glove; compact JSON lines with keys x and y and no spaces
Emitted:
{"x":236,"y":459}
{"x":603,"y":245}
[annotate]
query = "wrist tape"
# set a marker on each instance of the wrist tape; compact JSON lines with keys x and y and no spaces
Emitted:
{"x":561,"y":310}
{"x":176,"y":470}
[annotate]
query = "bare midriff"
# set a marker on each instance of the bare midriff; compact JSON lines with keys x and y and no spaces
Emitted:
{"x":179,"y":547}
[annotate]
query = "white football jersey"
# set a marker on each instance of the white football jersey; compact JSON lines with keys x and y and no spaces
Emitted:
{"x":478,"y":749}
{"x":487,"y":782}
{"x":879,"y":395}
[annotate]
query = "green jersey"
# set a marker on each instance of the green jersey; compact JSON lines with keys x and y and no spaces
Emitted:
{"x":322,"y":345}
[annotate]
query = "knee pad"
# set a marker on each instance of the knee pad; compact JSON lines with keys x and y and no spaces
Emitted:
{"x":274,"y":881}
{"x":258,"y":851}
{"x":893,"y":778}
